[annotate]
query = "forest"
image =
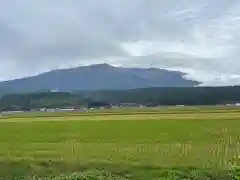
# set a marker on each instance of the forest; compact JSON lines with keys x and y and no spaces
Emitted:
{"x":146,"y":96}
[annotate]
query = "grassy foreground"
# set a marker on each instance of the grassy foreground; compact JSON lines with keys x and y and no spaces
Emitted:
{"x":147,"y":144}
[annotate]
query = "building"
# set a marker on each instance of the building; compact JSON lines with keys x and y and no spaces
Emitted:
{"x":129,"y":105}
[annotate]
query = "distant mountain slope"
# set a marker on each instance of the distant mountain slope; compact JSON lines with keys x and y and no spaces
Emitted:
{"x":97,"y":77}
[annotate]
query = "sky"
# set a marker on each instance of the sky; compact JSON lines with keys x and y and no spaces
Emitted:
{"x":199,"y":37}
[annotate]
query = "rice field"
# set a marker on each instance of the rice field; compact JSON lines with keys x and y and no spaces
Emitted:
{"x":145,"y":143}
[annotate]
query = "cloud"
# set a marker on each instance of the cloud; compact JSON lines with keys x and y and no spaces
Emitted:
{"x":198,"y":37}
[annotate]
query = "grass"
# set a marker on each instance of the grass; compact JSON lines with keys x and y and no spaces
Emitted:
{"x":143,"y":144}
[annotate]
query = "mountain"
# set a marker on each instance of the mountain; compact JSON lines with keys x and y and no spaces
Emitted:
{"x":97,"y":77}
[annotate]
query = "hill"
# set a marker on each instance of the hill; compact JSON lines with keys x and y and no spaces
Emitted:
{"x":40,"y":100}
{"x":97,"y":77}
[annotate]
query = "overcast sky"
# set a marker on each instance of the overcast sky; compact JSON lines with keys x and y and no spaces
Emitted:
{"x":201,"y":37}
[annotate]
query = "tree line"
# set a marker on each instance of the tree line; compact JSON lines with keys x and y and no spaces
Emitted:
{"x":146,"y":96}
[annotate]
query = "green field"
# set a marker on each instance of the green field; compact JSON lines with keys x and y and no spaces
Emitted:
{"x":146,"y":143}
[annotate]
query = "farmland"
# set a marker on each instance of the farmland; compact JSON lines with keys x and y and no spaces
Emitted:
{"x":146,"y":143}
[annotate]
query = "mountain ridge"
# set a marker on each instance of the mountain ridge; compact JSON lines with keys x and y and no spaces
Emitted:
{"x":98,"y":77}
